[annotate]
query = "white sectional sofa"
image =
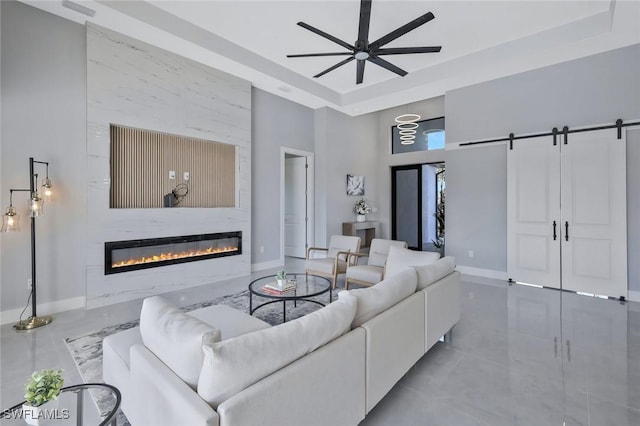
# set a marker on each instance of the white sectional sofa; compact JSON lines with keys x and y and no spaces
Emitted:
{"x":219,"y":366}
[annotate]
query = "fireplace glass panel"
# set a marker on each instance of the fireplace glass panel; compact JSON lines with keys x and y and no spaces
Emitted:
{"x":122,"y":256}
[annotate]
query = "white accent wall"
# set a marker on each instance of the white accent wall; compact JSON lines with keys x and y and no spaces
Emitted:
{"x":134,"y":84}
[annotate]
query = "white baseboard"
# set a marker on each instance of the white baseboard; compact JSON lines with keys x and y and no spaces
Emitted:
{"x":479,"y":272}
{"x":49,"y":308}
{"x":266,"y":265}
{"x":634,"y":296}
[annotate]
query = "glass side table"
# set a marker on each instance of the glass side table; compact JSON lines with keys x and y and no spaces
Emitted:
{"x":73,"y":408}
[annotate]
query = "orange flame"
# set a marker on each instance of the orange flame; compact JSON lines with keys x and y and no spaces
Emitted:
{"x":171,"y":256}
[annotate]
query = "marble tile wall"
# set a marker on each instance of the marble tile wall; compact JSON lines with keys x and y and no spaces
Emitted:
{"x":134,"y":84}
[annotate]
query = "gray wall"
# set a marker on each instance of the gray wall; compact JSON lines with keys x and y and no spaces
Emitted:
{"x":593,"y":90}
{"x":43,"y":116}
{"x":276,"y":123}
{"x":344,"y":145}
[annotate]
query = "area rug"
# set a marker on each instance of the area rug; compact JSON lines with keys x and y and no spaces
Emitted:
{"x":86,"y":350}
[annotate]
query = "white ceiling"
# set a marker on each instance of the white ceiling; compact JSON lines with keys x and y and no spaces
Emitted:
{"x":480,"y":40}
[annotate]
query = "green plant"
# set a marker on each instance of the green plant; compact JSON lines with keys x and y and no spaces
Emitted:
{"x":43,"y":386}
{"x":281,"y":275}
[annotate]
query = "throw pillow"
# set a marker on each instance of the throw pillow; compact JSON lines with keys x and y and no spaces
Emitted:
{"x":380,"y":297}
{"x":428,"y":274}
{"x":235,"y":364}
{"x":175,"y":337}
{"x":400,"y":259}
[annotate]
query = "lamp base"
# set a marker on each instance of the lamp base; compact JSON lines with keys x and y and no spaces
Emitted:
{"x":32,"y":322}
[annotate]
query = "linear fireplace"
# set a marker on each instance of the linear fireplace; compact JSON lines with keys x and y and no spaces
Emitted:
{"x":131,"y":255}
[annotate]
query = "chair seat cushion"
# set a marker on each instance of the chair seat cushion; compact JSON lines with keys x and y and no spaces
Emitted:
{"x":325,"y":265}
{"x":369,"y":273}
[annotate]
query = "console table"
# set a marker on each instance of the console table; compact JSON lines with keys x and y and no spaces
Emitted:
{"x":369,"y":227}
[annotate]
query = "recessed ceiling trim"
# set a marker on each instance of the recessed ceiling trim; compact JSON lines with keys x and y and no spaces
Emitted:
{"x":78,"y":8}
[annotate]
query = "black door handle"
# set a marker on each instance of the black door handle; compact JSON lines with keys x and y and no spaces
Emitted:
{"x":554,"y":231}
{"x":566,"y":231}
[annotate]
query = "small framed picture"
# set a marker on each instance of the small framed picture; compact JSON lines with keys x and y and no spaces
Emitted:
{"x":355,"y":185}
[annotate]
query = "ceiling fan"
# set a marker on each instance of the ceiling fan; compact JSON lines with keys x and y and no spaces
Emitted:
{"x":363,"y":51}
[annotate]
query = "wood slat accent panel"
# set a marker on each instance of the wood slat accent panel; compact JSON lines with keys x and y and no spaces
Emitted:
{"x":141,"y":161}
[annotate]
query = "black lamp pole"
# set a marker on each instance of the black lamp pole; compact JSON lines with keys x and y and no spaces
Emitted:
{"x":33,"y":321}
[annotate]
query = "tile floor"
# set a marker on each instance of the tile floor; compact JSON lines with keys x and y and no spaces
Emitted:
{"x":519,"y":356}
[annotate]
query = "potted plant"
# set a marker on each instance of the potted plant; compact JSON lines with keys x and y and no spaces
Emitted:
{"x":361,"y":209}
{"x":281,"y":279}
{"x":43,"y":386}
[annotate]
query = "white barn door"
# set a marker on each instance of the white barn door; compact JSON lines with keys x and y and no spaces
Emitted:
{"x":566,"y":212}
{"x":594,"y":213}
{"x":533,"y":212}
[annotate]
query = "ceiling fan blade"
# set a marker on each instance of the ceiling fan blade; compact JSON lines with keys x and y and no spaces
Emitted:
{"x":327,"y":36}
{"x":401,"y":31}
{"x":365,"y":20}
{"x":406,"y":50}
{"x":339,"y":64}
{"x":387,"y":65}
{"x":360,"y":71}
{"x":305,"y":55}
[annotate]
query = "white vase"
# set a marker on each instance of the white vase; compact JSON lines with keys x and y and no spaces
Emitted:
{"x":281,"y":283}
{"x":360,"y":218}
{"x":39,"y":415}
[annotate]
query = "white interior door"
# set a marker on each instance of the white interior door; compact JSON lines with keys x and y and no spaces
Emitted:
{"x":594,"y":212}
{"x":295,"y":206}
{"x":533,"y":212}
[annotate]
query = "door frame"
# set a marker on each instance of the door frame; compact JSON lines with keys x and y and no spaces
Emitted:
{"x":310,"y":195}
{"x":394,"y":198}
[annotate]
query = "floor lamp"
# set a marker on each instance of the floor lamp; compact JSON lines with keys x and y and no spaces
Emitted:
{"x":10,"y":223}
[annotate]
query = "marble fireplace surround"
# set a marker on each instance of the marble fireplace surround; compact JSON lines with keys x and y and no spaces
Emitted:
{"x":135,"y":84}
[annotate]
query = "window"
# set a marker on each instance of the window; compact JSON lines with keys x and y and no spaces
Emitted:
{"x":430,"y":135}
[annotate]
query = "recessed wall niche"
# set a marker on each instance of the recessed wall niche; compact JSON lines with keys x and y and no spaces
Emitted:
{"x":147,"y":165}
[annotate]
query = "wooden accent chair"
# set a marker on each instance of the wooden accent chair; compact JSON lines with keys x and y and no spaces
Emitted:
{"x":373,"y":271}
{"x":334,"y":260}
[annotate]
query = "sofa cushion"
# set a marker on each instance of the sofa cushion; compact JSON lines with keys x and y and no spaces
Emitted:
{"x":428,"y":274}
{"x":380,"y":297}
{"x":175,"y":337}
{"x":232,"y":365}
{"x":231,"y":322}
{"x":400,"y":259}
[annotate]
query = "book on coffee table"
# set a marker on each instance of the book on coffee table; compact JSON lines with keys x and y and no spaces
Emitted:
{"x":274,"y":289}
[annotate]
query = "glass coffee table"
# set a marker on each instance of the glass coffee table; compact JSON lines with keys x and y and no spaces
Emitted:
{"x":307,"y":286}
{"x":74,"y":407}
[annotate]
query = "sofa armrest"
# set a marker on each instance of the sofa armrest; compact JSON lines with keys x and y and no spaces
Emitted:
{"x":442,"y":308}
{"x":325,"y":387}
{"x":159,"y":397}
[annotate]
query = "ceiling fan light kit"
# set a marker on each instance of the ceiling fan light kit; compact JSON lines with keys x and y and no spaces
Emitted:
{"x":363,"y":51}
